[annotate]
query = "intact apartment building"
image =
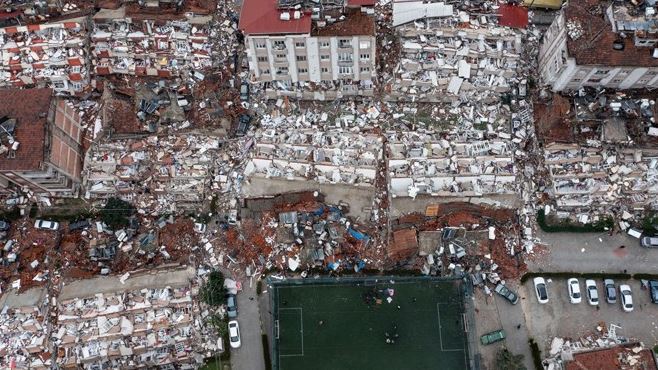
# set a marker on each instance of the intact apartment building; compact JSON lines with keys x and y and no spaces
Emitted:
{"x":613,"y":45}
{"x":296,"y":49}
{"x":40,"y":143}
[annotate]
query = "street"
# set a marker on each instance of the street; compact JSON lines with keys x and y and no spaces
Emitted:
{"x":250,"y":355}
{"x":593,"y":252}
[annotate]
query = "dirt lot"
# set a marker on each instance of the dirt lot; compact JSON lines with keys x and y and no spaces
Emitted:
{"x":561,"y":318}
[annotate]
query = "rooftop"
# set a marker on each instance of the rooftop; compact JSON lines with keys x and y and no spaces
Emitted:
{"x":620,"y":357}
{"x":355,"y":23}
{"x":595,"y":45}
{"x":262,"y":17}
{"x":30,"y":109}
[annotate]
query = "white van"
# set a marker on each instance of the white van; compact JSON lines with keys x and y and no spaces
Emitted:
{"x":650,"y":242}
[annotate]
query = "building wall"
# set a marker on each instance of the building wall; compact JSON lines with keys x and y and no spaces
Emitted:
{"x":562,"y":72}
{"x":66,"y":151}
{"x":302,"y":58}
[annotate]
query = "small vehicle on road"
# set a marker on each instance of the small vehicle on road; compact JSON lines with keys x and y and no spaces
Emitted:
{"x":592,"y":292}
{"x":234,"y":334}
{"x":653,"y":290}
{"x":504,"y":291}
{"x":540,"y":289}
{"x":574,"y":291}
{"x":493,"y":337}
{"x":46,"y":225}
{"x":244,"y":91}
{"x":610,"y":290}
{"x":626,"y":297}
{"x":231,"y":306}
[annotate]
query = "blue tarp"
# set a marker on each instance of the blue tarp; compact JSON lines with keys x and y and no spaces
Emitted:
{"x":359,"y":266}
{"x":357,"y":234}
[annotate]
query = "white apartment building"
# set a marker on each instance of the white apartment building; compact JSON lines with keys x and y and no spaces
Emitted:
{"x":310,"y":55}
{"x":616,"y":49}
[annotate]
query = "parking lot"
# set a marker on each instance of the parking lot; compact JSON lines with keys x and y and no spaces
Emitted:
{"x":563,"y":319}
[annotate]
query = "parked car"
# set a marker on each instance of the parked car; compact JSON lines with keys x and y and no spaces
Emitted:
{"x":506,"y":293}
{"x":574,"y":291}
{"x":244,"y":91}
{"x":493,"y":337}
{"x":653,"y":290}
{"x":540,"y":289}
{"x":234,"y":334}
{"x":4,"y":225}
{"x":243,"y":125}
{"x":649,"y":241}
{"x":231,"y":306}
{"x":200,"y":228}
{"x":626,"y":297}
{"x":610,"y":290}
{"x":79,"y":225}
{"x":46,"y":225}
{"x":592,"y":292}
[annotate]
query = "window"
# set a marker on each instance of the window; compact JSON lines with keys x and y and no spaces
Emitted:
{"x":344,"y":57}
{"x":365,"y":56}
{"x":651,"y":73}
{"x":265,"y":72}
{"x":11,"y":154}
{"x":324,"y":57}
{"x":324,"y":70}
{"x":345,"y":70}
{"x":365,"y":69}
{"x":262,"y":59}
{"x":345,"y":43}
{"x":282,"y":71}
{"x":364,"y":44}
{"x":577,"y":79}
{"x":615,"y":81}
{"x":77,"y":86}
{"x":301,"y":58}
{"x":280,"y":44}
{"x":280,"y":56}
{"x":324,"y":44}
{"x":302,"y":70}
{"x":260,"y":44}
{"x":602,"y":72}
{"x":299,"y":44}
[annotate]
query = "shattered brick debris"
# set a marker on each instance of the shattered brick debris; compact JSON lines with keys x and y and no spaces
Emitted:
{"x":24,"y":340}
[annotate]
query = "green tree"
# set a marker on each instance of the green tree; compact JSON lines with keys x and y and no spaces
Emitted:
{"x":506,"y":360}
{"x":214,"y":292}
{"x":116,"y":212}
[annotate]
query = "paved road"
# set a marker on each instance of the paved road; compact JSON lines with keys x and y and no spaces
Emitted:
{"x":250,"y":355}
{"x":593,"y":252}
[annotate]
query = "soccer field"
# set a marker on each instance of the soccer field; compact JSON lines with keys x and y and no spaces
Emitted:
{"x":345,"y":325}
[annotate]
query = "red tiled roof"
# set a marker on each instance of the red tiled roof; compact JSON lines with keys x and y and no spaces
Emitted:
{"x":261,"y":17}
{"x":609,"y":359}
{"x":513,"y":16}
{"x":30,"y":109}
{"x":594,"y":47}
{"x":361,"y":2}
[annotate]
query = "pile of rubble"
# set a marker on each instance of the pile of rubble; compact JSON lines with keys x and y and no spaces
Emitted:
{"x":24,"y":339}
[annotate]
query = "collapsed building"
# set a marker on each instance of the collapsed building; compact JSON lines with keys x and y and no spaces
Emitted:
{"x":447,"y":53}
{"x":601,"y":44}
{"x":167,"y":173}
{"x":311,"y":50}
{"x":151,"y":327}
{"x":50,"y":54}
{"x":151,"y":40}
{"x":24,"y":341}
{"x":600,"y":152}
{"x":41,"y":143}
{"x":323,"y":157}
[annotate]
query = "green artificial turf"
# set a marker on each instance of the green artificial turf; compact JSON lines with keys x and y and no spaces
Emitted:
{"x":330,"y":326}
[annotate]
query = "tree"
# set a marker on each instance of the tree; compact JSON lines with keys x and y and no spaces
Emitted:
{"x":214,"y":292}
{"x":506,"y":360}
{"x":116,"y":212}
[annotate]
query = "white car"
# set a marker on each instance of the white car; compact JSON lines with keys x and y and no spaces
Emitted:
{"x":199,"y":227}
{"x":574,"y":291}
{"x":540,"y":289}
{"x":234,"y":334}
{"x":46,"y":225}
{"x":592,"y":292}
{"x":626,"y":297}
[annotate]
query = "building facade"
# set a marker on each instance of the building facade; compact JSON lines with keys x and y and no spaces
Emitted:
{"x":613,"y":49}
{"x":40,"y":143}
{"x":294,"y":53}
